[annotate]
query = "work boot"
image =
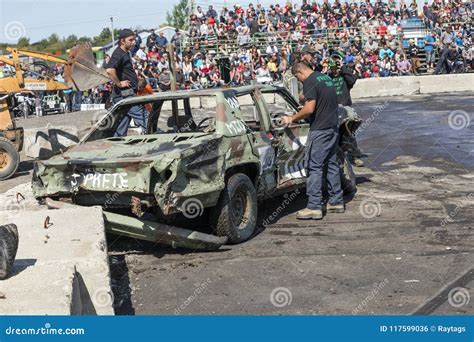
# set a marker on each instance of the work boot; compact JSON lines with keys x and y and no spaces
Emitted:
{"x":335,"y":208}
{"x":309,"y":214}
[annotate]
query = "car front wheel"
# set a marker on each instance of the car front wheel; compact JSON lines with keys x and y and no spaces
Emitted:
{"x":235,"y":214}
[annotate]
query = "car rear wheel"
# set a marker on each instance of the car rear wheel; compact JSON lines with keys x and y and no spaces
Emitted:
{"x":235,"y":214}
{"x":9,"y":159}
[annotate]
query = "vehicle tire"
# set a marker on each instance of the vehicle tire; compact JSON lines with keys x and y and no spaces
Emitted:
{"x":235,"y":214}
{"x":9,"y":159}
{"x":348,"y":177}
{"x":8,"y":249}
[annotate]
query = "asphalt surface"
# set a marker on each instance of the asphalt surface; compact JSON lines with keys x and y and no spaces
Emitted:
{"x":404,"y":245}
{"x":392,"y":252}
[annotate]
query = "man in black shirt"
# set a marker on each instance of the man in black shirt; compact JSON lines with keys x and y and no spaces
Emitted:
{"x":322,"y":109}
{"x":344,"y":80}
{"x":122,"y":74}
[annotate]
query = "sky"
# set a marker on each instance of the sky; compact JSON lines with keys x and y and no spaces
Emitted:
{"x":38,"y":19}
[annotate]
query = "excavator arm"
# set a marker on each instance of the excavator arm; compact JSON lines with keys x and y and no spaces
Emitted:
{"x":80,"y":71}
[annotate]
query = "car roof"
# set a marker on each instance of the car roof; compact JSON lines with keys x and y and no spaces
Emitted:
{"x":192,"y":93}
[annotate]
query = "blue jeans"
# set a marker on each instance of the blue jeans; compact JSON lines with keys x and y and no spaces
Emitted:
{"x":137,"y":113}
{"x":321,"y":151}
{"x":430,"y":56}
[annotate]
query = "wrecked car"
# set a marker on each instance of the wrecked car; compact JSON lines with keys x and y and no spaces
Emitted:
{"x":219,"y":149}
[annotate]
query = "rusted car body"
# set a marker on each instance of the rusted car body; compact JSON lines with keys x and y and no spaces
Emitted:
{"x":221,"y":149}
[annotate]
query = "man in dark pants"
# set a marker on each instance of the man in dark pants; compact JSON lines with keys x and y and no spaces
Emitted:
{"x":321,"y":107}
{"x":344,"y":80}
{"x":122,"y":74}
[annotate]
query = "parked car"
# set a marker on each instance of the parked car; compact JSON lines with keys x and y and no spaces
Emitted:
{"x":53,"y":104}
{"x":220,"y":149}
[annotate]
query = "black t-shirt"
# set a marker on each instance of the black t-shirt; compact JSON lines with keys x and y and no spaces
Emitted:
{"x":122,"y":63}
{"x":320,"y":87}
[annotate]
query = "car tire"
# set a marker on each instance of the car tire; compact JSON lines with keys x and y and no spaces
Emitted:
{"x":9,"y":159}
{"x":8,"y":249}
{"x":235,"y":214}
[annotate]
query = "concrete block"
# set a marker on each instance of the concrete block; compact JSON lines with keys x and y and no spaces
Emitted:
{"x":65,"y":239}
{"x":40,"y":290}
{"x":446,"y":83}
{"x":208,"y":102}
{"x":44,"y":142}
{"x":279,"y":100}
{"x":269,"y":98}
{"x":386,"y":86}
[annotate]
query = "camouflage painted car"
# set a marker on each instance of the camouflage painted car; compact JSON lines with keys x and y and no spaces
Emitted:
{"x":221,"y":149}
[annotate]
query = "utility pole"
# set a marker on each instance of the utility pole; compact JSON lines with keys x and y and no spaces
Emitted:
{"x":172,"y":63}
{"x":112,"y":30}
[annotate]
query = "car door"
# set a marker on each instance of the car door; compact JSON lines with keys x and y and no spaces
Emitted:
{"x":252,"y":112}
{"x":291,"y":139}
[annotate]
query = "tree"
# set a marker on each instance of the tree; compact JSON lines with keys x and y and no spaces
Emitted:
{"x":179,"y":15}
{"x":23,"y":42}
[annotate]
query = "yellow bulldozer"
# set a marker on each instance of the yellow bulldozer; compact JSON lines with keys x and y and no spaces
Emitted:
{"x":80,"y":73}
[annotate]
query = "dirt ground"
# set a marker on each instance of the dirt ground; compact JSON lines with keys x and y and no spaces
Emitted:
{"x":404,"y":245}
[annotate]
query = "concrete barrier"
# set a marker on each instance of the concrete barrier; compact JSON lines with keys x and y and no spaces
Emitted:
{"x":44,"y":142}
{"x":388,"y":86}
{"x":61,"y":265}
{"x":446,"y":83}
{"x":409,"y":85}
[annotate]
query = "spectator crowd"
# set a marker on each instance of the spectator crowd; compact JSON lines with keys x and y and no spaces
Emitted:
{"x":260,"y":44}
{"x":237,"y":46}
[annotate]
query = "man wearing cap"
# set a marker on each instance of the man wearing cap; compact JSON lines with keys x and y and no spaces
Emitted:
{"x":446,"y":39}
{"x":322,"y":110}
{"x":122,"y":74}
{"x":343,"y":80}
{"x":413,"y":55}
{"x":307,"y":56}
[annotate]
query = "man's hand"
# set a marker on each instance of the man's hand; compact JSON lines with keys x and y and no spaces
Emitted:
{"x":124,"y":84}
{"x":286,"y":120}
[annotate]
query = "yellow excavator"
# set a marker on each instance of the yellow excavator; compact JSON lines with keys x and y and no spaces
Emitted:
{"x":80,"y":73}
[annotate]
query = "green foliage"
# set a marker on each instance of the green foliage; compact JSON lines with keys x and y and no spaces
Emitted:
{"x":54,"y":43}
{"x":179,"y":15}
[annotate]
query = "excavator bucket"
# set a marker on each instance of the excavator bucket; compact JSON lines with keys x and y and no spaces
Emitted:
{"x":81,"y":73}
